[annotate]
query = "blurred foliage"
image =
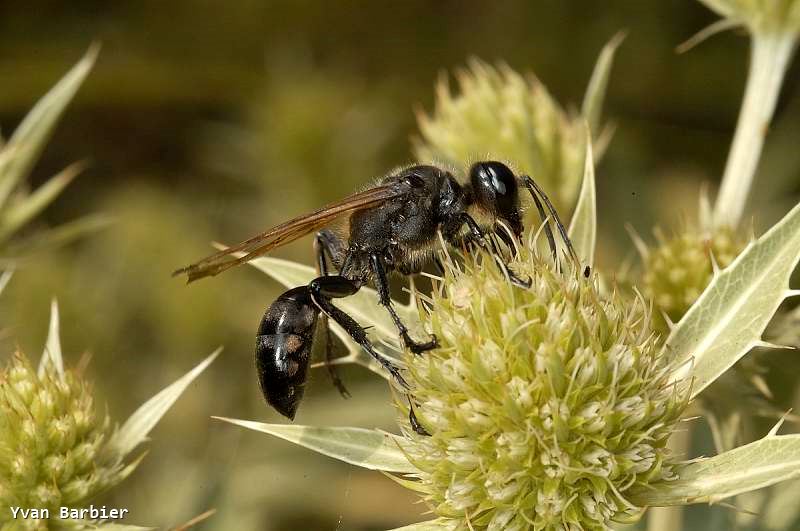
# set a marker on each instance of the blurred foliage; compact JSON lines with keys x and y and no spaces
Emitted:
{"x":210,"y":121}
{"x":19,"y":205}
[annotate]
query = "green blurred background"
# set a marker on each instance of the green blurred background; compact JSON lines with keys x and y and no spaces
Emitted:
{"x":214,"y":120}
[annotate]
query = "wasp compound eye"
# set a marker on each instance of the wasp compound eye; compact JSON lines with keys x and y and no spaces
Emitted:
{"x":494,"y":177}
{"x":495,"y":188}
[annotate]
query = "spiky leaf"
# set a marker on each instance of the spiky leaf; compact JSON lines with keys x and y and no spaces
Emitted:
{"x":19,"y":213}
{"x":596,"y":90}
{"x":54,"y":237}
{"x":138,"y":425}
{"x":753,"y":466}
{"x":370,"y":449}
{"x":28,"y":141}
{"x":583,"y":227}
{"x":733,"y":311}
{"x":52,"y":350}
{"x":430,"y":525}
{"x":5,"y":278}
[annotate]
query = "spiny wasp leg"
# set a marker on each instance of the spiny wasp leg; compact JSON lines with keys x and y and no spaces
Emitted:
{"x":382,"y":283}
{"x":513,"y":277}
{"x":323,"y":289}
{"x":551,"y":241}
{"x":506,"y":238}
{"x":326,"y":242}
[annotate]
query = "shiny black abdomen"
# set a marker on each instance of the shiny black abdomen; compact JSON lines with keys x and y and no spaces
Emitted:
{"x":283,"y":349}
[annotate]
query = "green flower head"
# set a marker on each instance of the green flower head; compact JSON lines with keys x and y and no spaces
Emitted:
{"x":544,"y":405}
{"x":678,"y":269}
{"x":55,"y":449}
{"x":52,"y":441}
{"x":500,"y":114}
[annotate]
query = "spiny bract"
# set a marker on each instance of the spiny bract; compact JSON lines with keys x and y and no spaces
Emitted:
{"x":768,"y":16}
{"x":544,"y":405}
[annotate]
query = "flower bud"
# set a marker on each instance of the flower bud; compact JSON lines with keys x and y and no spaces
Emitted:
{"x":678,"y":269}
{"x":499,"y":114}
{"x":50,"y":440}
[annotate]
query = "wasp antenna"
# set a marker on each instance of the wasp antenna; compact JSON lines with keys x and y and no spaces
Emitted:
{"x":551,"y":241}
{"x":535,"y":190}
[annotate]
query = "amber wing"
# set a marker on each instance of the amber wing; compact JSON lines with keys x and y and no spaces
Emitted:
{"x":287,"y":232}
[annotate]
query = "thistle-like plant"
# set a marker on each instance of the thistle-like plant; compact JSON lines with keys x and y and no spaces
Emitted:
{"x":553,"y":407}
{"x":536,"y":378}
{"x":773,"y":26}
{"x":56,"y":449}
{"x":678,"y":268}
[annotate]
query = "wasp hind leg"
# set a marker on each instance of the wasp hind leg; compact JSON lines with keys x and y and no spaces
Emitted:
{"x":323,"y":289}
{"x":328,"y":245}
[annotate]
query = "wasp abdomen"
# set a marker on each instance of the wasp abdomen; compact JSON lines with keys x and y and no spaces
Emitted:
{"x":283,"y":349}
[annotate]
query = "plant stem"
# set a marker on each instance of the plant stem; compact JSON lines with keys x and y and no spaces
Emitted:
{"x":769,"y":58}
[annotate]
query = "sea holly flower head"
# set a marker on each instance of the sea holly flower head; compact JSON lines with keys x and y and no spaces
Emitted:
{"x":56,"y":449}
{"x":544,"y":406}
{"x":498,"y":113}
{"x":52,"y":440}
{"x":679,"y":267}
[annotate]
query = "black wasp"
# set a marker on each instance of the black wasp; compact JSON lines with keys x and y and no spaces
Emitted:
{"x":392,"y":227}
